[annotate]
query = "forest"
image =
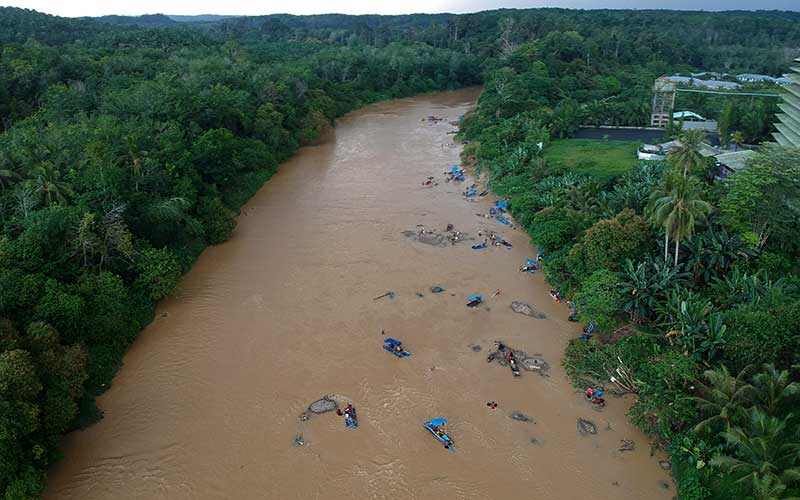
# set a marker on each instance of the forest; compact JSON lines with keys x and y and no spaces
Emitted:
{"x":128,"y":146}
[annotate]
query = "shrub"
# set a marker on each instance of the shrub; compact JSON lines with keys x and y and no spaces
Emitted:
{"x":159,"y":272}
{"x":608,"y":243}
{"x":599,"y":298}
{"x":552,"y":228}
{"x":762,"y":333}
{"x":218,"y":222}
{"x":662,"y":407}
{"x":689,"y":478}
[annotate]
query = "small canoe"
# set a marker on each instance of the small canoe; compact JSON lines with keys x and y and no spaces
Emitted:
{"x":390,"y":344}
{"x":474,"y":300}
{"x":432,"y":425}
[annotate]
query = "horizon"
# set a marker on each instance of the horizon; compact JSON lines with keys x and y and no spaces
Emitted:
{"x":240,"y":8}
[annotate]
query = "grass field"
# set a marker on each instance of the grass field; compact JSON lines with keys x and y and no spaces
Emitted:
{"x":592,"y":156}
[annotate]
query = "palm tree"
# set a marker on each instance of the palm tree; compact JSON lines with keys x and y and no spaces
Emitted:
{"x":770,"y":487}
{"x":52,"y":189}
{"x":775,"y":389}
{"x":679,"y":211}
{"x":659,"y":219}
{"x":721,"y":397}
{"x":686,"y":156}
{"x":765,"y":447}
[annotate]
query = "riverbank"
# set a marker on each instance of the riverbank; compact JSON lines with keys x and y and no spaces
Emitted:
{"x":207,"y":403}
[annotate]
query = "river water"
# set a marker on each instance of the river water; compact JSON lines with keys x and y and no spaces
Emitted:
{"x":206,"y":405}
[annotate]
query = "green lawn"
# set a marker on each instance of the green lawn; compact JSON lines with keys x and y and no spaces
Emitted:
{"x":592,"y":156}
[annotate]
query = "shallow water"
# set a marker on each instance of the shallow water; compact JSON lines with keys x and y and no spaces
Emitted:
{"x":206,"y":405}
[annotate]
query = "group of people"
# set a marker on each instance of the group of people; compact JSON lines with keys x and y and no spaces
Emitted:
{"x":349,"y":414}
{"x":489,"y":237}
{"x":455,"y":174}
{"x":429,"y":182}
{"x":594,"y":395}
{"x":455,"y":236}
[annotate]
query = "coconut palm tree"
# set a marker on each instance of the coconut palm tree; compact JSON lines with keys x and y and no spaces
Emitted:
{"x":659,"y":219}
{"x":722,"y":397}
{"x":52,"y":189}
{"x":770,"y":487}
{"x":765,"y":446}
{"x":775,"y":389}
{"x":686,"y":156}
{"x":679,"y":211}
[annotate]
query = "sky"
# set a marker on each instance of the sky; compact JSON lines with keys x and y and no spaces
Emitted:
{"x":78,"y":8}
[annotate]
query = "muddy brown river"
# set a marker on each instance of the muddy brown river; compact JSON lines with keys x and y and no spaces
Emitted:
{"x":206,"y":405}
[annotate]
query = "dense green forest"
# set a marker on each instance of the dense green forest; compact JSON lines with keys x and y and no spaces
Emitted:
{"x":129,"y":145}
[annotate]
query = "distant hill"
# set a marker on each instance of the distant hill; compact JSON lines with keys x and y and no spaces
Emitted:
{"x":203,"y":18}
{"x":161,"y":20}
{"x":146,"y":20}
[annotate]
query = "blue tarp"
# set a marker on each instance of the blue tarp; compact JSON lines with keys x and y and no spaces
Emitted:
{"x":502,"y":219}
{"x":470,"y":193}
{"x":474,"y":297}
{"x":438,"y":421}
{"x":501,"y":204}
{"x":391,"y":341}
{"x":455,"y":170}
{"x":478,"y":246}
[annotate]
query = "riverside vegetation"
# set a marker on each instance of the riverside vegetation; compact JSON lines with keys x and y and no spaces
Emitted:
{"x":692,"y":281}
{"x":127,"y":149}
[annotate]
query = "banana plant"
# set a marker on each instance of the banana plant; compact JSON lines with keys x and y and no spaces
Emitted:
{"x":704,"y":340}
{"x":739,"y":287}
{"x":646,"y":285}
{"x":700,"y":330}
{"x":714,"y":252}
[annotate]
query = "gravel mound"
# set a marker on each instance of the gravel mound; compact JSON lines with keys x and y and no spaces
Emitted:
{"x":534,"y":363}
{"x":527,"y":310}
{"x":519,"y":416}
{"x":586,"y":427}
{"x":323,"y":405}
